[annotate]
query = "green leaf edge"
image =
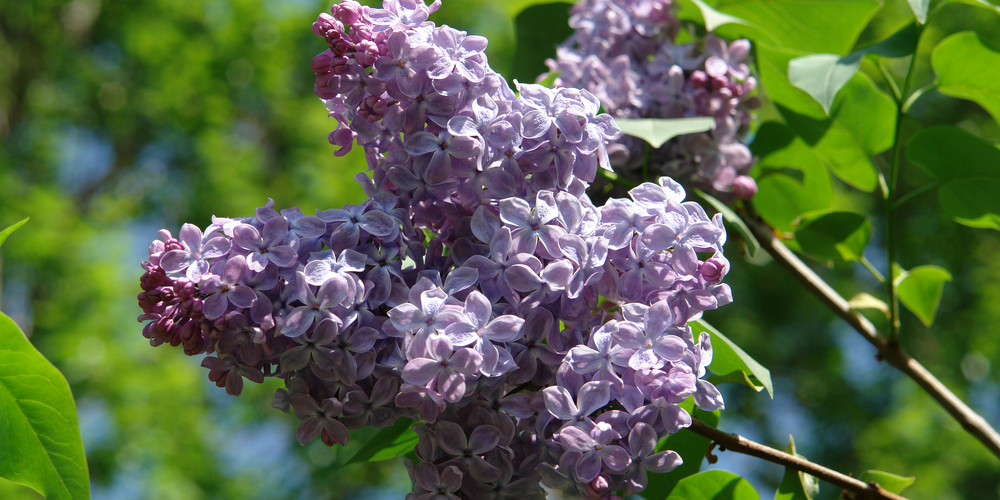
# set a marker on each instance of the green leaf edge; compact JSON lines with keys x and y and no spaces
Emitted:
{"x":749,"y":240}
{"x":13,"y":227}
{"x":763,"y":375}
{"x":380,"y":440}
{"x":57,"y":379}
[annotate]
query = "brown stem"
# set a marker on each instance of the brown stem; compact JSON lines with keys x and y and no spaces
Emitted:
{"x":891,"y":352}
{"x":740,"y":444}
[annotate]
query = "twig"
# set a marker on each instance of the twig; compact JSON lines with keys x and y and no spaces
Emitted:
{"x":740,"y":444}
{"x":891,"y":352}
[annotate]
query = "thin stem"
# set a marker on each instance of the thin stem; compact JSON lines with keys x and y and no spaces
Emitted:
{"x":916,"y":95}
{"x":871,"y":269}
{"x":891,"y":352}
{"x":613,"y":177}
{"x":916,"y":192}
{"x":890,"y":206}
{"x":889,"y":80}
{"x":740,"y":444}
{"x":645,"y":161}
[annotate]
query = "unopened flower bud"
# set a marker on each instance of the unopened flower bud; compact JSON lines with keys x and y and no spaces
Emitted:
{"x":744,"y":187}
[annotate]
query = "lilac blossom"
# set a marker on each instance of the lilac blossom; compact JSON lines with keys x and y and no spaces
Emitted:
{"x":625,"y":54}
{"x":478,"y":288}
{"x":197,"y":252}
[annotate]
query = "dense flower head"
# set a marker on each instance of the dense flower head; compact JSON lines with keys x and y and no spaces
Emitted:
{"x":535,"y":336}
{"x":624,"y":53}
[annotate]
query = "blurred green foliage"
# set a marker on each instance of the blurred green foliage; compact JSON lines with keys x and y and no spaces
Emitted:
{"x":121,"y":117}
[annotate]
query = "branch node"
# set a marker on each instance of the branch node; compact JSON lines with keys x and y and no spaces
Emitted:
{"x":712,"y":459}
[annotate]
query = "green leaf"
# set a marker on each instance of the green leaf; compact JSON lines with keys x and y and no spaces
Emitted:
{"x":539,"y":29}
{"x":834,"y":235}
{"x":823,"y":75}
{"x":657,"y":131}
{"x":714,"y":485}
{"x":888,"y":481}
{"x":6,"y":232}
{"x":791,"y":178}
{"x":390,"y":442}
{"x":920,"y":290}
{"x":550,"y":80}
{"x":796,"y":485}
{"x":40,"y":443}
{"x":727,"y":358}
{"x":967,"y":69}
{"x":861,"y":125}
{"x":734,"y":220}
{"x":988,"y":221}
{"x":968,"y":169}
{"x":706,"y":14}
{"x":829,"y":26}
{"x":772,"y":68}
{"x":690,"y":446}
{"x":866,"y":301}
{"x":919,"y":8}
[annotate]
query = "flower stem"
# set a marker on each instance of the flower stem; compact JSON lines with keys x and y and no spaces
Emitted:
{"x":890,"y":205}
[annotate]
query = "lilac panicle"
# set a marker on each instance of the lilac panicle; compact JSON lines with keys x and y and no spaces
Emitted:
{"x":537,"y":336}
{"x":624,"y":52}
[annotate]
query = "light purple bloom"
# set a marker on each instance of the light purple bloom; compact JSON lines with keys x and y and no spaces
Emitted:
{"x":196,"y":253}
{"x":227,"y":289}
{"x":268,"y":246}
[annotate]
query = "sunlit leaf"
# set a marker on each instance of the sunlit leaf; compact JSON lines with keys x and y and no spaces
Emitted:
{"x":919,"y":8}
{"x":823,"y":75}
{"x":657,"y":131}
{"x":834,"y":235}
{"x":866,"y":301}
{"x":888,"y":481}
{"x":829,"y":26}
{"x":40,"y":443}
{"x":714,"y":485}
{"x":727,"y":358}
{"x":13,"y":227}
{"x":796,"y":485}
{"x":390,"y":442}
{"x":967,"y":69}
{"x":706,"y":14}
{"x":920,"y":290}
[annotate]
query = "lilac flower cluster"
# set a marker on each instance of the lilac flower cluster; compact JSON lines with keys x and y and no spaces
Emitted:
{"x":624,"y":53}
{"x":535,"y":336}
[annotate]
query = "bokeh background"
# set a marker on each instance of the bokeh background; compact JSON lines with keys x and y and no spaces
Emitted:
{"x":121,"y":117}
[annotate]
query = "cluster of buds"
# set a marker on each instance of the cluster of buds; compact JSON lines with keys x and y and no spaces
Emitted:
{"x":624,"y":52}
{"x":535,"y":336}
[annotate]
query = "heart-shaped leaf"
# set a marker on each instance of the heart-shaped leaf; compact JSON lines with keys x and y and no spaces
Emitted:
{"x":40,"y":444}
{"x":657,"y":131}
{"x":920,"y":288}
{"x":968,"y":69}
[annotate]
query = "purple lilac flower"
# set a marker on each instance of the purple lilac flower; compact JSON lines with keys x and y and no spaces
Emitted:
{"x":624,"y":52}
{"x":537,"y":336}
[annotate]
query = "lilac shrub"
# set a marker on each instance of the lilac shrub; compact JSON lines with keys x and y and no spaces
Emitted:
{"x":534,"y":336}
{"x":624,"y":53}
